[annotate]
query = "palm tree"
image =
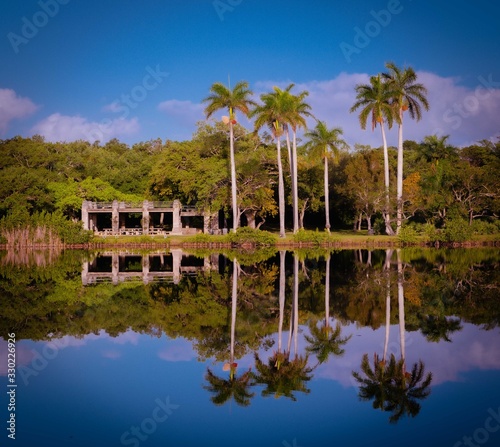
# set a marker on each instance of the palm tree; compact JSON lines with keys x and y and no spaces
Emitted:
{"x":406,"y":390}
{"x":325,"y":340}
{"x":375,"y":100}
{"x":391,"y":388}
{"x":271,"y":113}
{"x":409,"y":95}
{"x":435,"y":148}
{"x":234,"y":387}
{"x":283,"y":378}
{"x":296,"y":110}
{"x":387,"y":268}
{"x":238,"y":98}
{"x":322,"y":141}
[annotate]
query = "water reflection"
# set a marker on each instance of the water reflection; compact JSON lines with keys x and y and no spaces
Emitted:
{"x":117,"y":267}
{"x":292,"y":325}
{"x":388,"y":383}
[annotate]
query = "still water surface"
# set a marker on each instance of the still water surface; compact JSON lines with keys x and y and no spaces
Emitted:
{"x":350,"y":348}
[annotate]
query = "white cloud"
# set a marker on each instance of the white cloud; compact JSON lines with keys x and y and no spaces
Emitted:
{"x":179,"y":350}
{"x":186,"y":113}
{"x":13,"y":107}
{"x":114,"y":107}
{"x":466,"y":114}
{"x":59,"y":127}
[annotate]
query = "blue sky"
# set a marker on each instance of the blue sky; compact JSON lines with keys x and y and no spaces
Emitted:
{"x":74,"y":69}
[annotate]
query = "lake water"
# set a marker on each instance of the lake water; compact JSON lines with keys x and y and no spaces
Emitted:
{"x":349,"y":348}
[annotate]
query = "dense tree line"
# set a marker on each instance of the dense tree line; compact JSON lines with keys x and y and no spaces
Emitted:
{"x":442,"y":182}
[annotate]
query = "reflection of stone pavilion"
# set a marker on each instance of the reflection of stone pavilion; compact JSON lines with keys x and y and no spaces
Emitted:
{"x":117,"y":267}
{"x":151,"y":218}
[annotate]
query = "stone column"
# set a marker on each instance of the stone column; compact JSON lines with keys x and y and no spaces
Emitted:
{"x":115,"y":267}
{"x":145,"y":268}
{"x":145,"y":217}
{"x":115,"y":217}
{"x":85,"y":215}
{"x":85,"y":273}
{"x":176,"y":218}
{"x":176,"y":263}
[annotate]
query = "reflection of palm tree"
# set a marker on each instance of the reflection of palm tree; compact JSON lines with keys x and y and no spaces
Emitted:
{"x":391,"y":388}
{"x":375,"y":385}
{"x":282,"y":375}
{"x":235,"y":387}
{"x":406,"y":390}
{"x":387,"y":267}
{"x":325,"y":340}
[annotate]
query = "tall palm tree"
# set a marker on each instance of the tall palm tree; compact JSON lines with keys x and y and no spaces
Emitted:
{"x":409,"y":95}
{"x":375,"y":101}
{"x":324,"y":142}
{"x":271,"y":113}
{"x":222,"y":97}
{"x":296,"y":111}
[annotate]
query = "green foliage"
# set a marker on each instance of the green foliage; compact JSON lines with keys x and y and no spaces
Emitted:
{"x":246,"y":235}
{"x":313,"y":237}
{"x":407,"y":235}
{"x":457,"y":230}
{"x":480,"y":227}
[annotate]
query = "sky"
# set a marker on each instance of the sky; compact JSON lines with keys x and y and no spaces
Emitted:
{"x":136,"y":71}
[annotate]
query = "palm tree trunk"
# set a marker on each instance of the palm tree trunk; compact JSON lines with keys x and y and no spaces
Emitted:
{"x":327,"y":291}
{"x":327,"y":200}
{"x":294,"y":184}
{"x":296,"y":303}
{"x":387,"y":217}
{"x":281,"y":189}
{"x":401,"y":303}
{"x":388,"y":256}
{"x":234,"y":297}
{"x":233,"y":178}
{"x":399,"y":217}
{"x":281,"y":296}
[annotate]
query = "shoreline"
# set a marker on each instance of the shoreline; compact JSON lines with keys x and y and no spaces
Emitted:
{"x":323,"y":241}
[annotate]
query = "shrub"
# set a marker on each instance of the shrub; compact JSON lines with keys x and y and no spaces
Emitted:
{"x":407,"y":235}
{"x":252,"y":236}
{"x":457,"y":230}
{"x":484,"y":227}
